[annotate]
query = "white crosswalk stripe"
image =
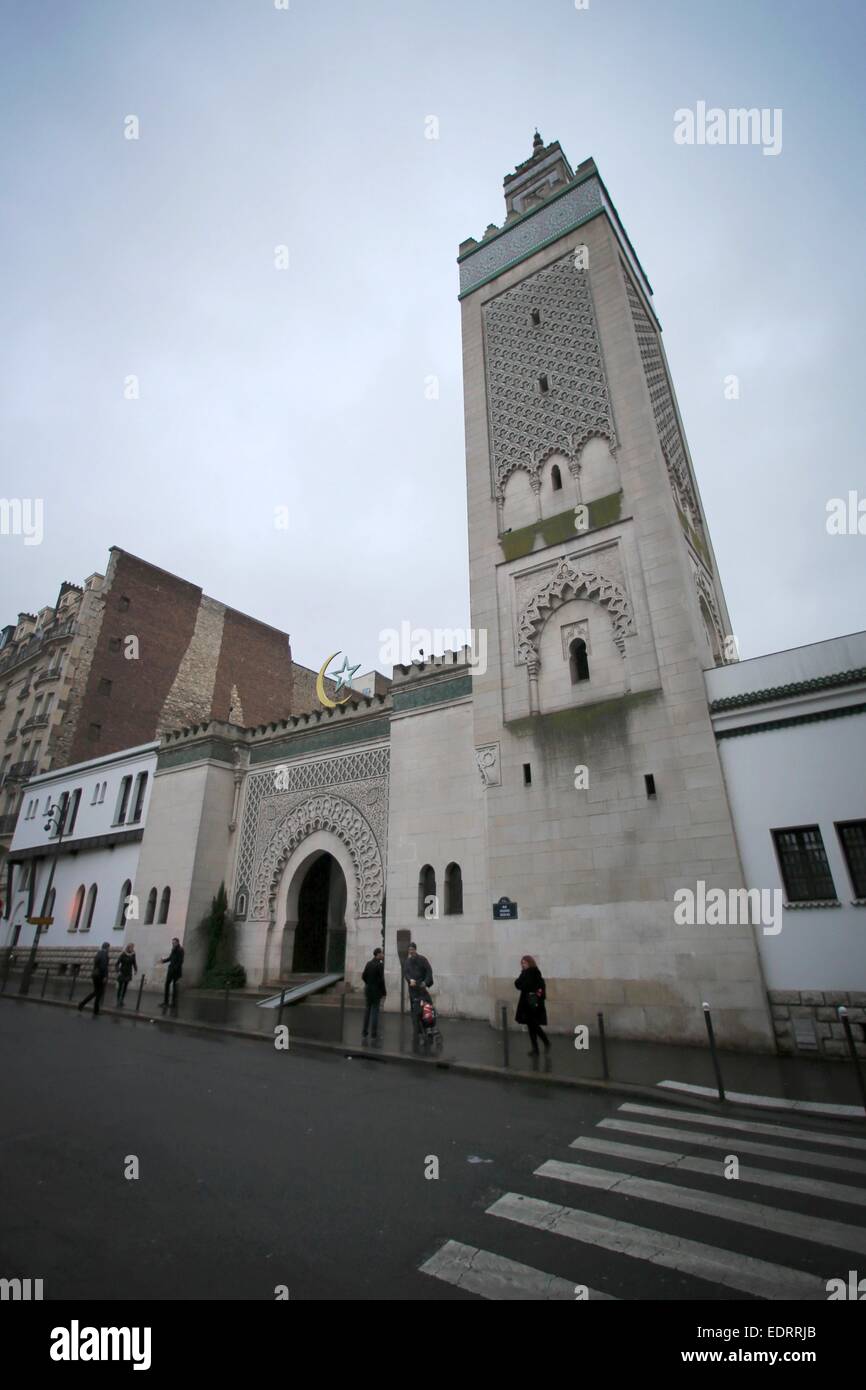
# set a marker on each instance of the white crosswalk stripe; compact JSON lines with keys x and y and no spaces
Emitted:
{"x":742,"y":1272}
{"x":816,"y":1229}
{"x":623,"y":1139}
{"x":713,"y":1168}
{"x":721,"y":1141}
{"x":779,"y":1131}
{"x":494,"y":1277}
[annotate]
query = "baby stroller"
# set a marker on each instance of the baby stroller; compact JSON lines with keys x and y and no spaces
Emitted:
{"x":429,"y":1034}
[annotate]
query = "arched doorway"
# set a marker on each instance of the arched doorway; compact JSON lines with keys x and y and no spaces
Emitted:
{"x":320,"y":933}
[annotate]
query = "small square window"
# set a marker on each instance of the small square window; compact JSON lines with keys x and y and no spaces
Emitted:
{"x":852,"y":838}
{"x":114,"y":644}
{"x":650,"y":784}
{"x":544,"y":384}
{"x":94,"y":732}
{"x":536,"y":317}
{"x":123,"y":603}
{"x":527,"y":775}
{"x":104,"y":687}
{"x":803,"y":864}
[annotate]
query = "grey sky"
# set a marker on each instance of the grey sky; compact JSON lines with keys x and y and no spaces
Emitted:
{"x":305,"y":388}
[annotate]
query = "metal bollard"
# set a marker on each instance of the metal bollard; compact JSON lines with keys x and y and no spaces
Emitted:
{"x":342,"y":1014}
{"x":602,"y":1039}
{"x":226,"y":1003}
{"x":846,"y":1024}
{"x":45,"y":982}
{"x":282,"y":1006}
{"x":505,"y":1035}
{"x":140,"y":988}
{"x":76,"y":970}
{"x":712,"y":1037}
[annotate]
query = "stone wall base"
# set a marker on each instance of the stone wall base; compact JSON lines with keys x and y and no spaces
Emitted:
{"x":807,"y":1023}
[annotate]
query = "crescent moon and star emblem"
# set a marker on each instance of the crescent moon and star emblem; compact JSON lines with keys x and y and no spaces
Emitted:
{"x":343,"y":678}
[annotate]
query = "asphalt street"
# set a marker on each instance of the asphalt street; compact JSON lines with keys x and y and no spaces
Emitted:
{"x":259,"y":1168}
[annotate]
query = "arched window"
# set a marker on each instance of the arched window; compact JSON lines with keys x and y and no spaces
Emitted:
{"x":426,"y":889}
{"x":123,"y":905}
{"x":150,"y":910}
{"x":77,"y":905}
{"x":241,"y":905}
{"x":556,"y":478}
{"x":453,"y":890}
{"x":578,"y":661}
{"x":164,"y":904}
{"x":91,"y":904}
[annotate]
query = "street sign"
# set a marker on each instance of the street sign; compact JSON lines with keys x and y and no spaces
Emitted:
{"x":505,"y":910}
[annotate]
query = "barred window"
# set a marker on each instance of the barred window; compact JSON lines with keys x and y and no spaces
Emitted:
{"x":803,"y":863}
{"x":852,"y":838}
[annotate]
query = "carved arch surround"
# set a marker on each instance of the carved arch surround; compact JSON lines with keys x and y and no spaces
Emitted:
{"x":571,"y":580}
{"x":341,"y":818}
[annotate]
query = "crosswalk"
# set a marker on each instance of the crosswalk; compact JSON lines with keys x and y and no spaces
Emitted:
{"x":659,"y":1138}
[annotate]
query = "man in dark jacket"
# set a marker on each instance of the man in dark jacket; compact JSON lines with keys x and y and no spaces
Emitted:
{"x":174,"y":960}
{"x":373,"y":977}
{"x":419,"y":978}
{"x":98,"y":976}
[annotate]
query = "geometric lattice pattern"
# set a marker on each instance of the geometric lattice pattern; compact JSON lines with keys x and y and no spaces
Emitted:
{"x":664,"y":411}
{"x":276,"y":793}
{"x":526,"y":424}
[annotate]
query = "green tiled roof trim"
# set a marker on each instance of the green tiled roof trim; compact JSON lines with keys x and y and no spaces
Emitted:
{"x":781,"y":692}
{"x":416,"y":696}
{"x":772,"y":724}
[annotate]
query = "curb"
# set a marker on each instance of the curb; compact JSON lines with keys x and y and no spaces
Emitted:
{"x":480,"y":1070}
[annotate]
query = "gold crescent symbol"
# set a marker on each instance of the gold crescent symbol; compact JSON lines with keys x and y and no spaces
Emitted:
{"x":320,"y":686}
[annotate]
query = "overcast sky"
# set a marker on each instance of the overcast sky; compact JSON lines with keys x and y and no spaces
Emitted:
{"x":304,"y":388}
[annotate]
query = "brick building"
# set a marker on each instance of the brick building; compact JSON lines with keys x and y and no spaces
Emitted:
{"x":124,"y":658}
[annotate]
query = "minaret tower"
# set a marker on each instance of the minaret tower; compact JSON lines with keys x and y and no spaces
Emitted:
{"x":592,"y":572}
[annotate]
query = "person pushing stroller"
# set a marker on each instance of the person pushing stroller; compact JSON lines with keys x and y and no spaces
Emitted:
{"x":419,"y":977}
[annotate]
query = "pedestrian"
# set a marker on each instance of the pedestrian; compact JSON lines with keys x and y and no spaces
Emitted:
{"x":419,"y":978}
{"x":174,"y":961}
{"x":531,"y":1008}
{"x":126,"y":967}
{"x":98,"y":976}
{"x":373,"y":977}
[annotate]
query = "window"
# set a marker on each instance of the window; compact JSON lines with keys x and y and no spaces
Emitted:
{"x":102,"y":791}
{"x":95,"y":796}
{"x":556,"y":478}
{"x":77,"y":905}
{"x":76,"y":798}
{"x":426,"y":889}
{"x":114,"y":644}
{"x":650,"y":784}
{"x":94,"y":732}
{"x":241,"y":905}
{"x":139,"y":797}
{"x":453,"y":890}
{"x":535,"y":317}
{"x":578,"y":661}
{"x":49,"y":701}
{"x":164,"y":905}
{"x":150,"y":910}
{"x":123,"y":800}
{"x":104,"y":687}
{"x":123,"y":905}
{"x":543,"y":384}
{"x":527,"y":775}
{"x":852,"y":837}
{"x":49,"y":906}
{"x":123,"y":603}
{"x":91,"y":904}
{"x":803,"y":864}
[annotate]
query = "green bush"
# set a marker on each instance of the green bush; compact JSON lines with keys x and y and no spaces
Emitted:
{"x":220,"y":969}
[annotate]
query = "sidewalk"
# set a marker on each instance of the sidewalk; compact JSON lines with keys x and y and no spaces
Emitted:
{"x":468,"y":1044}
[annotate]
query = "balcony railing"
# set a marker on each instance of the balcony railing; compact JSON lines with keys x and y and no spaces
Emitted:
{"x":28,"y":648}
{"x":36,"y":721}
{"x":19,"y":772}
{"x":45,"y":676}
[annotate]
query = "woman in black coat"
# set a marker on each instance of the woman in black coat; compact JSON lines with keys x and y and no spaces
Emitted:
{"x":531,"y":1008}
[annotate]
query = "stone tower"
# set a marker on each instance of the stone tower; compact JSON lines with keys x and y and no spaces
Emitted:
{"x":592,"y":572}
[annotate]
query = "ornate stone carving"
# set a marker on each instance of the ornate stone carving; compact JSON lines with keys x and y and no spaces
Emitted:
{"x":341,"y":818}
{"x":706,"y":591}
{"x":526,"y":425}
{"x":571,"y":580}
{"x":361,"y":779}
{"x":487,"y":759}
{"x":664,"y":411}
